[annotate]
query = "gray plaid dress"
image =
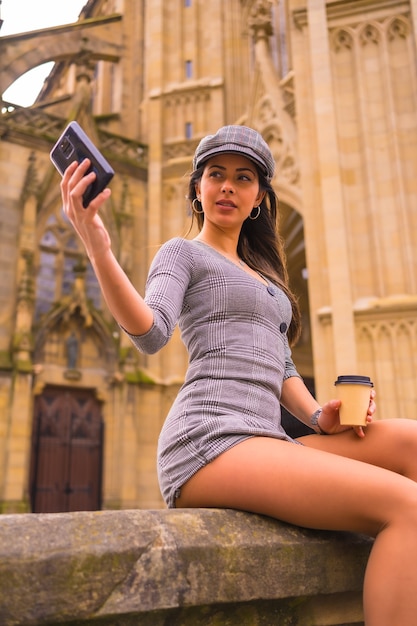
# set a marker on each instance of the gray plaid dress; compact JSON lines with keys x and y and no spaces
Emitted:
{"x":234,"y":328}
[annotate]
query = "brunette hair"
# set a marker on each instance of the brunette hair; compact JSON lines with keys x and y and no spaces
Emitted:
{"x":260,"y":244}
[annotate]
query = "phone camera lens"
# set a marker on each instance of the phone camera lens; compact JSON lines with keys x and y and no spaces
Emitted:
{"x":67,"y":147}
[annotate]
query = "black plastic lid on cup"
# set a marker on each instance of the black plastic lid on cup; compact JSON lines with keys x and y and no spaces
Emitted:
{"x":352,"y":379}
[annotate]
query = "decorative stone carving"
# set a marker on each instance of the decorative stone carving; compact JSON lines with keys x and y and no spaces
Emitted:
{"x":78,"y":302}
{"x":399,"y":27}
{"x":274,"y":133}
{"x":179,"y":149}
{"x":369,"y":33}
{"x":37,"y":123}
{"x":341,"y":38}
{"x":72,"y":345}
{"x":260,"y":19}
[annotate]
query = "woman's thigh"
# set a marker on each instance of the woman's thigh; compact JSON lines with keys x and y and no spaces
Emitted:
{"x":300,"y":485}
{"x":391,"y":444}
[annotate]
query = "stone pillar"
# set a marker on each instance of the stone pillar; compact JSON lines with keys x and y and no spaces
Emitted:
{"x":413,"y":4}
{"x":154,"y":29}
{"x":16,"y":475}
{"x":339,"y":280}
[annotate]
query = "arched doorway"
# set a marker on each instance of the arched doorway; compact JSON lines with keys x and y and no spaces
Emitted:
{"x":67,"y":451}
{"x":292,"y":231}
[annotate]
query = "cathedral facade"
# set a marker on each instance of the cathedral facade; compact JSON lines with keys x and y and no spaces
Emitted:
{"x":331,"y":86}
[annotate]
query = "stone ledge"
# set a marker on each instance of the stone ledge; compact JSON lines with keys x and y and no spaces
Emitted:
{"x":177,"y":568}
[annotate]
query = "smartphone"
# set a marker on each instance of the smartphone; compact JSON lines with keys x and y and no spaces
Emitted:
{"x":75,"y":145}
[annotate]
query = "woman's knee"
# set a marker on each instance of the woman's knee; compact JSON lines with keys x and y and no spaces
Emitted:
{"x":400,"y":439}
{"x":402,"y":504}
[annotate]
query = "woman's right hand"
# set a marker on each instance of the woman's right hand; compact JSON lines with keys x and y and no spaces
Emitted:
{"x":86,"y":221}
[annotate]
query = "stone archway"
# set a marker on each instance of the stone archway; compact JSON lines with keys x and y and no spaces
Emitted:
{"x":89,"y":38}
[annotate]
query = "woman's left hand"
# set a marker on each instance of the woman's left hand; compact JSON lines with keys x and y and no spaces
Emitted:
{"x":330,"y":420}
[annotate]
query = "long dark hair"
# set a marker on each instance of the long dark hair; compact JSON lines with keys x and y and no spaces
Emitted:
{"x":260,"y":244}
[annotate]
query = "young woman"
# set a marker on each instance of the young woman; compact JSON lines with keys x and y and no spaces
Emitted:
{"x":222,"y":444}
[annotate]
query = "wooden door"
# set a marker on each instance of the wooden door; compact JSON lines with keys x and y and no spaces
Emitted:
{"x":67,"y":448}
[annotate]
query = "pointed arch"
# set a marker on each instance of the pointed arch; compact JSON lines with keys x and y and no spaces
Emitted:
{"x":341,"y":39}
{"x":74,"y":335}
{"x":370,"y":33}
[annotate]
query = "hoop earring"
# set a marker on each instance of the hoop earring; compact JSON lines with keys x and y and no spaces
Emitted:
{"x":255,"y":217}
{"x":193,"y":205}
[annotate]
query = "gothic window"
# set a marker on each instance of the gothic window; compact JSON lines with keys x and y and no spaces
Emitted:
{"x":188,"y":69}
{"x":59,"y":254}
{"x":188,"y":130}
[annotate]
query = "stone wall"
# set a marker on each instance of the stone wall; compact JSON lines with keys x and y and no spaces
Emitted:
{"x":176,"y":568}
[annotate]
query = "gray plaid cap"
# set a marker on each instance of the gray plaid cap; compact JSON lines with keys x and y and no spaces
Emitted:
{"x":238,"y":139}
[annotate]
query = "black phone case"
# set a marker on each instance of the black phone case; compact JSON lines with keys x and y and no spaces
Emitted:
{"x":75,"y":145}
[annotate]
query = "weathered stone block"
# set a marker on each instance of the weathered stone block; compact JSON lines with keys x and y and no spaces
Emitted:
{"x":176,"y":567}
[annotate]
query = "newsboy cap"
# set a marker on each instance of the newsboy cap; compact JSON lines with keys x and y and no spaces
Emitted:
{"x":240,"y":140}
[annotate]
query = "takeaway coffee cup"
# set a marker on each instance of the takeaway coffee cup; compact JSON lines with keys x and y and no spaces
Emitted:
{"x":355,"y":393}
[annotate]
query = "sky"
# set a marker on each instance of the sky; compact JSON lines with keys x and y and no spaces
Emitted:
{"x":24,"y":15}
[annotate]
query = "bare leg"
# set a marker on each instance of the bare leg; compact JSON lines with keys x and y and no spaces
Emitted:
{"x":391,"y":444}
{"x":317,"y":489}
